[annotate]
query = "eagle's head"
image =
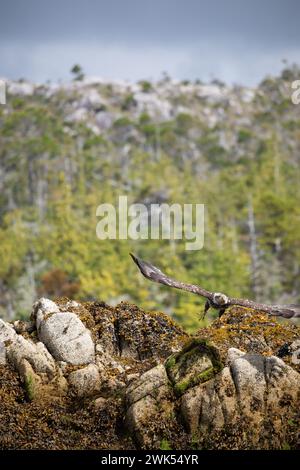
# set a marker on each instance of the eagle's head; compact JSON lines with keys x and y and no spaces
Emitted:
{"x":220,"y":299}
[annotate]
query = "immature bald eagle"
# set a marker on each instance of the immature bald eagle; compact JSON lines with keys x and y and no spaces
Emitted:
{"x":215,"y":300}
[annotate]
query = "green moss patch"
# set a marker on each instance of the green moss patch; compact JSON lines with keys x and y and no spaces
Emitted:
{"x":197,"y":363}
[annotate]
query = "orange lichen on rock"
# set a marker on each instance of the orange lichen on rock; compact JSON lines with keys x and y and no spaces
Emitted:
{"x":250,"y":331}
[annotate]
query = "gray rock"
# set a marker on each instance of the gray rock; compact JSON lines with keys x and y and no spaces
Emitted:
{"x":283,"y":389}
{"x":31,"y":380}
{"x":157,"y":107}
{"x":138,"y":419}
{"x":100,"y":403}
{"x":36,"y":354}
{"x":295,"y":350}
{"x":201,"y":409}
{"x":90,"y":99}
{"x":85,"y":381}
{"x":254,"y":390}
{"x":212,"y":93}
{"x":234,"y":353}
{"x":80,"y":114}
{"x":67,"y":338}
{"x":150,"y":407}
{"x":63,"y":333}
{"x":18,"y":348}
{"x":7,"y":332}
{"x":21,"y":88}
{"x":131,"y":377}
{"x":2,"y":354}
{"x":226,"y":391}
{"x":42,"y":309}
{"x":153,"y":382}
{"x":104,"y":120}
{"x":248,"y":374}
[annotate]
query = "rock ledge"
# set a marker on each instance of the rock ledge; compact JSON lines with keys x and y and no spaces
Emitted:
{"x":92,"y":376}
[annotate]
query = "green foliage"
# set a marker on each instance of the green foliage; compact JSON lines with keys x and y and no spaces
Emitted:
{"x":77,"y":72}
{"x":214,"y":152}
{"x":144,"y":118}
{"x":128,"y":102}
{"x":165,"y":445}
{"x":244,"y":135}
{"x":29,"y":385}
{"x":14,"y":244}
{"x":145,"y":86}
{"x":54,"y":175}
{"x":122,"y":122}
{"x":184,"y":123}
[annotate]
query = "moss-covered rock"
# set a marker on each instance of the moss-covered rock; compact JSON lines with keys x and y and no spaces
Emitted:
{"x":251,"y":331}
{"x":197,"y":362}
{"x":151,"y":411}
{"x":149,"y":385}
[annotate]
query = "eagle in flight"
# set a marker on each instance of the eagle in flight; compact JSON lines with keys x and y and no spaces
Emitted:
{"x":215,"y":300}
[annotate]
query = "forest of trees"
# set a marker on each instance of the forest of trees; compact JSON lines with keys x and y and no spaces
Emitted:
{"x":236,"y":152}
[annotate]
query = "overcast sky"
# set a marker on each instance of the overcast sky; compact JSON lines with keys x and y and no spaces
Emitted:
{"x":238,"y":41}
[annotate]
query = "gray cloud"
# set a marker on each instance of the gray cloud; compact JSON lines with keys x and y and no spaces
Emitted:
{"x":235,"y":40}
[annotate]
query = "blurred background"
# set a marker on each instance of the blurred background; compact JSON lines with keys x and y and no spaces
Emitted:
{"x":165,"y":102}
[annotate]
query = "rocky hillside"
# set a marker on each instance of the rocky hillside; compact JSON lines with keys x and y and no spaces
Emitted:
{"x":90,"y":376}
{"x":66,"y":148}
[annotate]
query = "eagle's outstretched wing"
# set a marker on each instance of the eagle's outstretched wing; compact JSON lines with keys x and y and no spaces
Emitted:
{"x":286,"y":311}
{"x":156,"y":275}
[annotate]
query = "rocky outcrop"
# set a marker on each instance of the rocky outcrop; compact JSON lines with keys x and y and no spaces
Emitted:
{"x":150,"y":408}
{"x":64,"y":333}
{"x":121,"y":377}
{"x":237,"y":409}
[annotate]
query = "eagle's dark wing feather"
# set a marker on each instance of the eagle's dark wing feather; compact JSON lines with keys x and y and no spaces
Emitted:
{"x":286,"y":311}
{"x":156,"y":275}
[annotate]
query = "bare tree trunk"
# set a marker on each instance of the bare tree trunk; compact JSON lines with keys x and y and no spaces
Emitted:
{"x":234,"y":238}
{"x":254,"y":255}
{"x":157,"y":142}
{"x":31,"y":180}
